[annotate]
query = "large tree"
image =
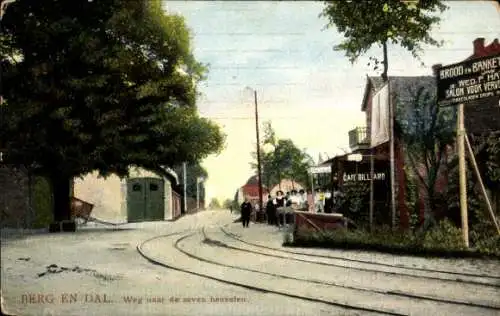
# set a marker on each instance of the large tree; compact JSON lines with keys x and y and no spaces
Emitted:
{"x":427,"y":131}
{"x":366,"y":23}
{"x":284,"y":160}
{"x":99,"y":85}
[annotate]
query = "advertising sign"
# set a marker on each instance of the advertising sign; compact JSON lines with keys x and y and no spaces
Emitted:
{"x":470,"y":80}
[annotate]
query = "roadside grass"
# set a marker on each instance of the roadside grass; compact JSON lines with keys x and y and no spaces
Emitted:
{"x":445,"y":240}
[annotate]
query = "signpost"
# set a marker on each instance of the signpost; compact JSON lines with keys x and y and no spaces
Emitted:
{"x":461,"y":83}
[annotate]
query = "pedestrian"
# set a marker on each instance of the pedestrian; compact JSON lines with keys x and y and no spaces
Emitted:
{"x":246,"y":211}
{"x":270,"y":210}
{"x":319,"y":200}
{"x":303,"y":200}
{"x":279,"y":202}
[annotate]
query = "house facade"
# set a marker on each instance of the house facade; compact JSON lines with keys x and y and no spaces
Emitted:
{"x":480,"y":116}
{"x":142,"y":196}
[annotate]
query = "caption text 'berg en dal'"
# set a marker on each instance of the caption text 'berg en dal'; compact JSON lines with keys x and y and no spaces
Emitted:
{"x":99,"y":298}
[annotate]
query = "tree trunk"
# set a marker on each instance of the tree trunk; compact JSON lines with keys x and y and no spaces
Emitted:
{"x":385,"y":62}
{"x":61,"y":189}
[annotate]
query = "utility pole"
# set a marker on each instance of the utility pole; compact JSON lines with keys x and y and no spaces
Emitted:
{"x":184,"y":181}
{"x":391,"y":154}
{"x":259,"y":170}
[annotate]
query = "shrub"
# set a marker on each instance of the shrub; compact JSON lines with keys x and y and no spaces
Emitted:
{"x":443,"y":240}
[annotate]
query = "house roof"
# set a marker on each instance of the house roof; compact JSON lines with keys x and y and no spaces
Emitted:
{"x":404,"y":87}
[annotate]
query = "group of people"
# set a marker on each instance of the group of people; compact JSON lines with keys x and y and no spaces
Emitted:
{"x":324,"y":202}
{"x":296,"y":200}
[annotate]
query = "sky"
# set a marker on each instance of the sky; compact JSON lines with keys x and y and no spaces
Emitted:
{"x":309,"y":92}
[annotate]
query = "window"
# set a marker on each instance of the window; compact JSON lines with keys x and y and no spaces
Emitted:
{"x":136,"y":187}
{"x":153,"y":187}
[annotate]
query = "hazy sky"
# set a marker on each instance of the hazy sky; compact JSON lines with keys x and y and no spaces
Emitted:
{"x":309,"y":92}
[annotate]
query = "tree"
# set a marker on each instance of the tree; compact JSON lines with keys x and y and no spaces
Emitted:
{"x":214,"y":204}
{"x":193,"y":172}
{"x":365,"y":23}
{"x":99,"y":85}
{"x":284,"y":160}
{"x":228,"y":203}
{"x":427,"y":131}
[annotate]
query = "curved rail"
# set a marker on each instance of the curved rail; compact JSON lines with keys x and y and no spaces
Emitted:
{"x":250,"y":287}
{"x":232,"y":236}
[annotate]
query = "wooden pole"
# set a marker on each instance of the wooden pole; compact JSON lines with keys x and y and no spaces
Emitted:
{"x":481,"y":184}
{"x":259,"y":167}
{"x":392,"y":166}
{"x":462,"y":173}
{"x":372,"y":169}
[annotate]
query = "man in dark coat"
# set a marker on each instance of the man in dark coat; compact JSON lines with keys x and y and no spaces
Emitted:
{"x":246,"y":210}
{"x":270,"y":211}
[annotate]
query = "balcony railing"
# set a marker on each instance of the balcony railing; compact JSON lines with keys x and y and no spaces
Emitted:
{"x":358,"y":138}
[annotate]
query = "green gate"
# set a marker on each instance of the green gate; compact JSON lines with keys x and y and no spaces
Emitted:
{"x":145,"y":199}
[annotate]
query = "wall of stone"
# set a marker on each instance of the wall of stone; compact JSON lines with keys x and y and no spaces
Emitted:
{"x":14,"y":197}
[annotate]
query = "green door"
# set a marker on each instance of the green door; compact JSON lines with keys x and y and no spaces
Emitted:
{"x":155,"y":203}
{"x":136,"y":200}
{"x":145,"y":199}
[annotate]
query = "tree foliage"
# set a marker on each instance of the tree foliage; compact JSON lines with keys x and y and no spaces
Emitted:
{"x":99,"y":85}
{"x":214,"y":204}
{"x":427,"y":131}
{"x":284,"y":161}
{"x":365,"y":23}
{"x":193,"y":172}
{"x":228,"y":203}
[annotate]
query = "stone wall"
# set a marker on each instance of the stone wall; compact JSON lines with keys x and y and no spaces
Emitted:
{"x":14,"y":197}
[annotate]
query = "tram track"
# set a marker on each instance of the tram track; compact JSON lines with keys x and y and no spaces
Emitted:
{"x":159,"y":262}
{"x":366,"y":262}
{"x":332,"y":284}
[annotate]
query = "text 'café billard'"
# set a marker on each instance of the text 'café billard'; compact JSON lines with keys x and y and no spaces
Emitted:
{"x":364,"y":177}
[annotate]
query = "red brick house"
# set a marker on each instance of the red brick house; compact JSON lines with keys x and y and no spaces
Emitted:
{"x":251,"y":190}
{"x":480,"y":116}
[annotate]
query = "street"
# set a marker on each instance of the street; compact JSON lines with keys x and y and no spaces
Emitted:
{"x":205,"y":264}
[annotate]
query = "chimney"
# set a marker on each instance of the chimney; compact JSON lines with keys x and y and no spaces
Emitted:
{"x":478,"y":46}
{"x":435,"y":69}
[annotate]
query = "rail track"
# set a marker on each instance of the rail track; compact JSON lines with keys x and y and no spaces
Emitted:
{"x":401,"y":295}
{"x":455,"y":276}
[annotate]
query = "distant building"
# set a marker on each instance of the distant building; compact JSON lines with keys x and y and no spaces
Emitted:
{"x":286,"y":185}
{"x":251,"y":190}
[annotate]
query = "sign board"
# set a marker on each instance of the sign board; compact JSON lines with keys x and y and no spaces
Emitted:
{"x":380,"y":117}
{"x":470,"y":80}
{"x":321,"y":169}
{"x":378,"y":176}
{"x":355,"y":157}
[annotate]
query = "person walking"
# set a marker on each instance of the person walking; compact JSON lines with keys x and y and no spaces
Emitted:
{"x":246,"y":211}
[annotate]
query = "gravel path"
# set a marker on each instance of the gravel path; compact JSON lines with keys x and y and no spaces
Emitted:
{"x":98,"y":271}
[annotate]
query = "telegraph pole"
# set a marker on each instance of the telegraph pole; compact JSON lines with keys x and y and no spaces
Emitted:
{"x":184,"y":184}
{"x":259,"y":170}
